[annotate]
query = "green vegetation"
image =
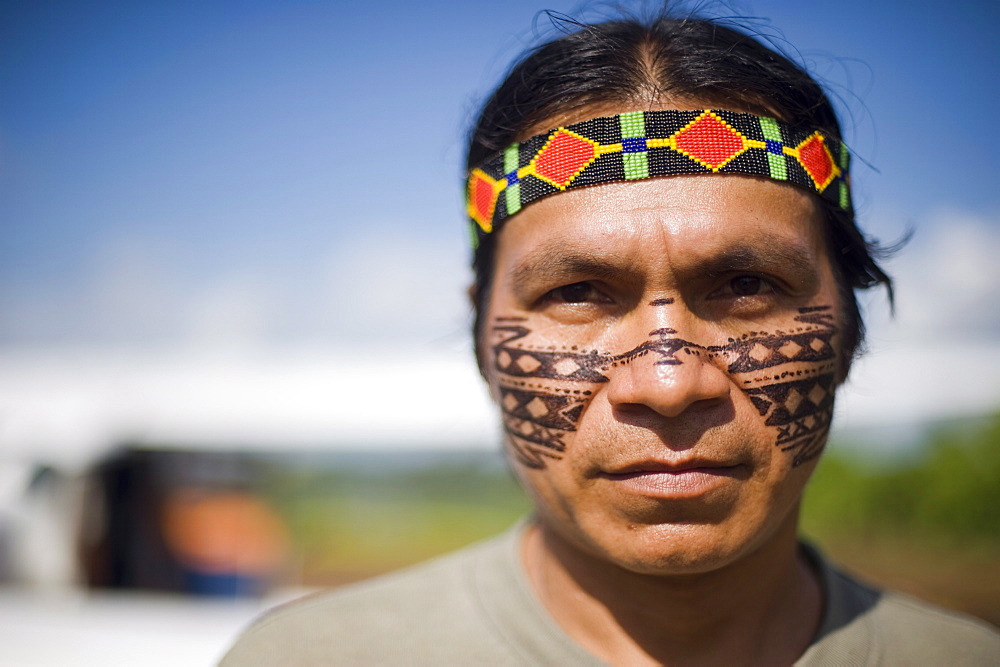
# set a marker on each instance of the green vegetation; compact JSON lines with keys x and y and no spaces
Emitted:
{"x":930,"y":526}
{"x":948,"y":496}
{"x":349,"y":522}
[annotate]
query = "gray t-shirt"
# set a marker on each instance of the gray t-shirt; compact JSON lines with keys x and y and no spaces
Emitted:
{"x":475,"y":606}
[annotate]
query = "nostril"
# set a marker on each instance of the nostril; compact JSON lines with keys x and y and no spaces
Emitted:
{"x":681,"y":383}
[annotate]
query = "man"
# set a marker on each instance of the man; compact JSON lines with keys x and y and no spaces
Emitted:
{"x":665,"y":259}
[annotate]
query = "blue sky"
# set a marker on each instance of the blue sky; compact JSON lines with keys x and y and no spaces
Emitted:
{"x":262,"y":132}
{"x":270,"y":174}
{"x":260,"y":136}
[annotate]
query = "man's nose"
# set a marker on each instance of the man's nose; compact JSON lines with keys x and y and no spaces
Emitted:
{"x":670,"y":377}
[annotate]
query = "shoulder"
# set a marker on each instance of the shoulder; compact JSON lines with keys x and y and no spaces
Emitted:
{"x":401,"y":618}
{"x":913,"y":631}
{"x":867,"y":626}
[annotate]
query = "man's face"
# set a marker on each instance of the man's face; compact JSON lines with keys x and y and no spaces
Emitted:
{"x":664,"y":355}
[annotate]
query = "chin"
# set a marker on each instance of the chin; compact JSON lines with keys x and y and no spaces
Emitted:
{"x":678,"y":549}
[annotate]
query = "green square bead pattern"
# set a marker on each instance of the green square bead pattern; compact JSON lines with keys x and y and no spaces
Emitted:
{"x":776,"y":163}
{"x":633,"y":126}
{"x":513,"y":192}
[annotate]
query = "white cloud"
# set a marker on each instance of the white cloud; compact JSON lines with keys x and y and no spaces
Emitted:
{"x":940,"y":356}
{"x":141,"y":293}
{"x":134,"y":292}
{"x":400,"y":288}
{"x":386,"y":302}
{"x":948,"y":279}
{"x":232,"y":311}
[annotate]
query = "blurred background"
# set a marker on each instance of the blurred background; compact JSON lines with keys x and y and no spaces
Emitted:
{"x":234,"y":359}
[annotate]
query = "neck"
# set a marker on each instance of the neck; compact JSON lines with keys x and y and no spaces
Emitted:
{"x":763,"y":609}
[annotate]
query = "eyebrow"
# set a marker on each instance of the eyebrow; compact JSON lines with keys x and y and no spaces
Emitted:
{"x":769,"y":253}
{"x":557,"y":262}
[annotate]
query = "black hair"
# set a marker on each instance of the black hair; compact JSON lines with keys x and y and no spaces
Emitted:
{"x":636,"y":63}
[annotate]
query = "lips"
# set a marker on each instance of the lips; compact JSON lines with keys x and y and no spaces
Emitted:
{"x":663,"y":465}
{"x":684,"y":479}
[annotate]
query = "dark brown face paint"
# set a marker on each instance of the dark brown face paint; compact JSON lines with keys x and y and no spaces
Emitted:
{"x":543,"y":391}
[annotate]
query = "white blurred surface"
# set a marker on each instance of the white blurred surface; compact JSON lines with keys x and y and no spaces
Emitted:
{"x":57,"y":629}
{"x":69,"y":407}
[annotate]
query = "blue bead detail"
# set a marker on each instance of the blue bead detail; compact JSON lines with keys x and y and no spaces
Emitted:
{"x":633,"y":145}
{"x":512,"y":178}
{"x":773,"y":146}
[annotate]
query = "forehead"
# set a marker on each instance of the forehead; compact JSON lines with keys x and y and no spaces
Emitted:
{"x":680,"y":220}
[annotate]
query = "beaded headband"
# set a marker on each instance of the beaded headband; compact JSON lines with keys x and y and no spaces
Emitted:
{"x":646,"y":144}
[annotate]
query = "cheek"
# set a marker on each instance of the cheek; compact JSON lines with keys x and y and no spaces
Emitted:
{"x":790,"y":378}
{"x":542,"y":390}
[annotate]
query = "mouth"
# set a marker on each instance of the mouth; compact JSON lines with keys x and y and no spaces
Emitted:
{"x":674,"y":480}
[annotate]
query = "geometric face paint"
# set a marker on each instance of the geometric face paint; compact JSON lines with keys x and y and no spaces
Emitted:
{"x":789,"y":376}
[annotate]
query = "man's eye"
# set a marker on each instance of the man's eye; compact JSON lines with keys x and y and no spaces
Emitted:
{"x":748,"y":285}
{"x":575,"y":293}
